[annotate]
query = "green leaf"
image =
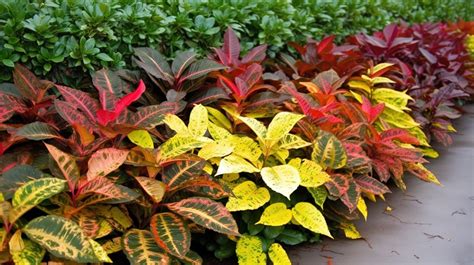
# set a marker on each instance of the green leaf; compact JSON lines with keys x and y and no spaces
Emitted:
{"x":246,"y":196}
{"x":61,"y":237}
{"x":276,"y":214}
{"x":207,"y":213}
{"x":154,"y":188}
{"x":283,"y":179}
{"x":319,"y":195}
{"x":278,"y":255}
{"x":171,"y":233}
{"x":310,"y":218}
{"x":32,"y":193}
{"x":250,"y":251}
{"x":292,"y":237}
{"x":184,"y":170}
{"x":328,"y":151}
{"x":141,"y":248}
{"x":105,"y":161}
{"x":37,"y":131}
{"x":141,"y":138}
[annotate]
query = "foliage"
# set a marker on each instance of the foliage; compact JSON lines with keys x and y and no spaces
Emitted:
{"x":255,"y":153}
{"x":63,"y":39}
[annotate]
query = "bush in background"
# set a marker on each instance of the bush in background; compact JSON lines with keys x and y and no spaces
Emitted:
{"x":55,"y":37}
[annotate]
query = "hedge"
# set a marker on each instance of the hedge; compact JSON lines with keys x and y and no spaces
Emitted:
{"x":63,"y":39}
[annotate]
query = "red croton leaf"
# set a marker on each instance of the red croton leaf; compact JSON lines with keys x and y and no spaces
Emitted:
{"x":104,"y":116}
{"x":372,"y":112}
{"x":369,"y":184}
{"x":231,"y":47}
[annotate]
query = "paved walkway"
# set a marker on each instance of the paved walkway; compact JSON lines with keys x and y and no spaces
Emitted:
{"x":428,"y":225}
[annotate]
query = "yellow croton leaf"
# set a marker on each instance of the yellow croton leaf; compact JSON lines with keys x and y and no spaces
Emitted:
{"x":312,"y":174}
{"x":276,"y":214}
{"x":350,"y":231}
{"x":249,"y":251}
{"x":312,"y":87}
{"x":217,"y":132}
{"x":362,"y":207}
{"x":283,"y":179}
{"x":141,"y":138}
{"x":198,"y":120}
{"x":99,"y":252}
{"x":381,"y":79}
{"x":215,"y":149}
{"x":291,"y":141}
{"x":281,"y":125}
{"x":359,"y":84}
{"x":235,"y":164}
{"x":245,"y":147}
{"x":247,"y":196}
{"x":311,"y":218}
{"x":278,"y":255}
{"x":257,"y":127}
{"x":378,"y":67}
{"x":219,"y":118}
{"x":176,"y":124}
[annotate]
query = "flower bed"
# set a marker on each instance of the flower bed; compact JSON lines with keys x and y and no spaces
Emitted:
{"x":256,"y":153}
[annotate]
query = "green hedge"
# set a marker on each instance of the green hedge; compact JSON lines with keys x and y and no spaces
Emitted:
{"x":52,"y":35}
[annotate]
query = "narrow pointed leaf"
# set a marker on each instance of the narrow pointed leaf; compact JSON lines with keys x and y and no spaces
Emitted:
{"x":27,"y":83}
{"x":182,"y":171}
{"x":231,"y":47}
{"x":72,"y":115}
{"x":151,"y":116}
{"x":372,"y":185}
{"x":282,"y":124}
{"x":207,"y":213}
{"x":171,"y":233}
{"x":38,"y":131}
{"x":235,"y":164}
{"x":198,"y":121}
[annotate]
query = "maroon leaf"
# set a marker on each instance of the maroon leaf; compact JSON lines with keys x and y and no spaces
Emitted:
{"x":200,"y":69}
{"x":231,"y":46}
{"x":257,"y":54}
{"x":80,"y":100}
{"x":72,"y":115}
{"x":337,"y":185}
{"x":150,"y":116}
{"x":369,"y":184}
{"x":27,"y":83}
{"x":154,"y":64}
{"x":351,"y":196}
{"x":110,"y":86}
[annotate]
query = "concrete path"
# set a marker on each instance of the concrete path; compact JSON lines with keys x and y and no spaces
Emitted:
{"x":428,"y":225}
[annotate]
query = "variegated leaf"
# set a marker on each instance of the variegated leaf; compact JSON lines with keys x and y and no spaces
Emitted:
{"x":171,"y":233}
{"x":37,"y":131}
{"x":32,"y":193}
{"x":154,"y":188}
{"x":141,"y":248}
{"x":328,"y":151}
{"x":67,"y":165}
{"x":105,"y":161}
{"x":182,"y":171}
{"x":207,"y":213}
{"x":61,"y":237}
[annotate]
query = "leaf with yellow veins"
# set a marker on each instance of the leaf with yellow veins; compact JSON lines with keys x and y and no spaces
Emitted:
{"x":312,"y":174}
{"x":198,"y":120}
{"x":362,"y":207}
{"x":141,"y":138}
{"x":281,"y":125}
{"x":99,"y":252}
{"x":247,"y":196}
{"x":378,"y":67}
{"x":257,"y":127}
{"x":350,"y":231}
{"x":283,"y":179}
{"x":311,"y":218}
{"x":276,"y":214}
{"x":278,"y":255}
{"x":235,"y":164}
{"x":215,"y":149}
{"x":250,"y":251}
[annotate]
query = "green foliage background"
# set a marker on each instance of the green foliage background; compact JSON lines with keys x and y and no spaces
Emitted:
{"x":50,"y":36}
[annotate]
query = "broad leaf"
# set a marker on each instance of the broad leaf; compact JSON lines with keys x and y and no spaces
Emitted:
{"x":151,"y":116}
{"x":180,"y":144}
{"x":235,"y":164}
{"x":207,"y":213}
{"x":105,"y":161}
{"x":38,"y":131}
{"x":312,"y":174}
{"x":291,"y":141}
{"x":141,"y":138}
{"x":182,"y":61}
{"x":27,"y":83}
{"x":30,"y":253}
{"x":328,"y":151}
{"x":278,"y":255}
{"x":370,"y":184}
{"x":61,"y":237}
{"x":198,"y":121}
{"x":15,"y":177}
{"x":141,"y":248}
{"x":351,"y":196}
{"x":154,"y":64}
{"x":182,"y":171}
{"x":319,"y":194}
{"x":250,"y":251}
{"x":80,"y":100}
{"x":154,"y":188}
{"x":281,"y":125}
{"x":72,"y":115}
{"x":247,"y":196}
{"x":110,"y":86}
{"x":257,"y":127}
{"x":67,"y":165}
{"x":32,"y":193}
{"x":310,"y":218}
{"x":283,"y":179}
{"x":276,"y":214}
{"x":171,"y":233}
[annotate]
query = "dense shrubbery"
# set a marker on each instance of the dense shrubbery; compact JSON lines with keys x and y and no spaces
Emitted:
{"x":256,"y":153}
{"x":54,"y":37}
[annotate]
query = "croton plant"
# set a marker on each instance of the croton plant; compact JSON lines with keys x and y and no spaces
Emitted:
{"x":257,"y":154}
